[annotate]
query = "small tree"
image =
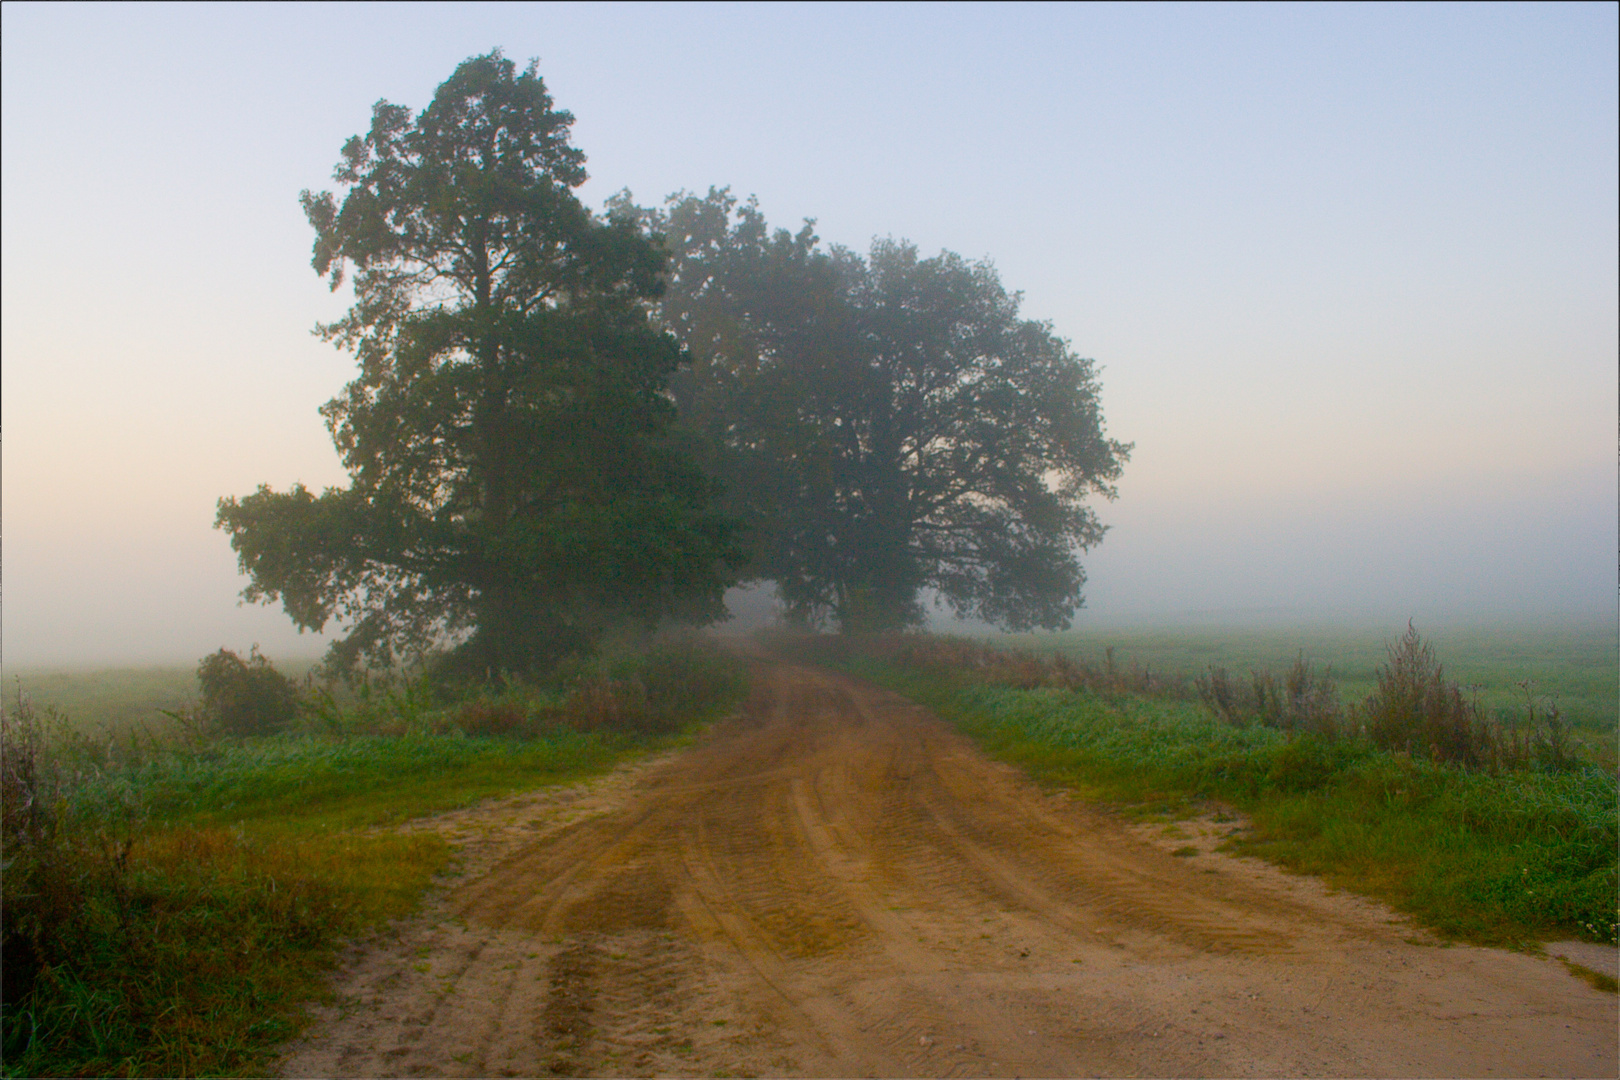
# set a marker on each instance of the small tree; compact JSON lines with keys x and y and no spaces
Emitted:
{"x":245,"y":697}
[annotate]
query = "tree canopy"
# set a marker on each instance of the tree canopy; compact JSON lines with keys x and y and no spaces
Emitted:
{"x":516,"y":480}
{"x":889,"y":422}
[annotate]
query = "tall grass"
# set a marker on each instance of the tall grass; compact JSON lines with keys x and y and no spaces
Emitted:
{"x":1571,"y":663}
{"x":1417,"y":709}
{"x":1302,"y":700}
{"x":1413,"y":706}
{"x":169,"y":904}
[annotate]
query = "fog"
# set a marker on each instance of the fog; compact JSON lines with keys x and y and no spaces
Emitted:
{"x":1349,"y":273}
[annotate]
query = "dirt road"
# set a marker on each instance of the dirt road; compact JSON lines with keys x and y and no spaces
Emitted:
{"x":834,"y":883}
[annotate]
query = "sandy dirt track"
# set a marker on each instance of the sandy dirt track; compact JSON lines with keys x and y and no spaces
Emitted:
{"x":834,"y":883}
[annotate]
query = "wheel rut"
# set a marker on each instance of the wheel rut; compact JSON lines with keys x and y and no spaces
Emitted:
{"x":835,"y":883}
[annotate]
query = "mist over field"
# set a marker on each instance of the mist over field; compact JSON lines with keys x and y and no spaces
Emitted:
{"x":1347,"y":274}
{"x":1189,"y":430}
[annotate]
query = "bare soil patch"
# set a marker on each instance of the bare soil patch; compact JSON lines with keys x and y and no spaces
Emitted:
{"x":836,"y":883}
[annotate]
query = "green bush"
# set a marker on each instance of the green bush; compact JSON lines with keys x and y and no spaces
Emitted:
{"x":62,"y":856}
{"x":675,"y":684}
{"x":245,"y":697}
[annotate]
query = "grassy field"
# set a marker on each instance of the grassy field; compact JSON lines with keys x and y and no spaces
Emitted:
{"x":171,"y":905}
{"x":1575,"y":664}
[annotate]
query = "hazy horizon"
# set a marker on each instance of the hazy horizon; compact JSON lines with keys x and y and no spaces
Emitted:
{"x":1348,"y":272}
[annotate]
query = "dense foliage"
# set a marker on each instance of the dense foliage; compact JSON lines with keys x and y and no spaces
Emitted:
{"x":890,"y":423}
{"x":245,"y":697}
{"x":515,"y":482}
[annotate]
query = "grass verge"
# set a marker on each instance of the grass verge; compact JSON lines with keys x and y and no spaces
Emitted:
{"x":1502,"y":860}
{"x":193,"y":950}
{"x":169,"y":912}
{"x":309,"y":783}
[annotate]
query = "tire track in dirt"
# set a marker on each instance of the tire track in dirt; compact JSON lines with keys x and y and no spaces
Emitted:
{"x":834,"y":883}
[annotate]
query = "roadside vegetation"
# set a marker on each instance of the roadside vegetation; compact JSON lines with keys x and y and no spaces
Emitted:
{"x":115,"y":700}
{"x":174,"y":894}
{"x":1571,"y":662}
{"x":1494,"y":827}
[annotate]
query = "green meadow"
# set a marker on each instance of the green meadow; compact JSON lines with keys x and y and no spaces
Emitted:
{"x":1574,"y":664}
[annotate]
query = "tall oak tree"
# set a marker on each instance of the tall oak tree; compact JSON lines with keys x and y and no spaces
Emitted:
{"x":516,"y":482}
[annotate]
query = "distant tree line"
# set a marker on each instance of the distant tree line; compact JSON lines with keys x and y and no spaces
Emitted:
{"x":567,"y":421}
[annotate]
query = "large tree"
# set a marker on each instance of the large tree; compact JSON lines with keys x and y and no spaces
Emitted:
{"x":894,"y":424}
{"x":516,"y":483}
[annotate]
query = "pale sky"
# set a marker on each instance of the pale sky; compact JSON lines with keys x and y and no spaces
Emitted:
{"x":1349,"y":271}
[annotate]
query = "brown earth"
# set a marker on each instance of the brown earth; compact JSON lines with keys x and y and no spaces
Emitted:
{"x":835,"y":883}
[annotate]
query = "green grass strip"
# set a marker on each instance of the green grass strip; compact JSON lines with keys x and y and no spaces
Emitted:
{"x":364,"y":781}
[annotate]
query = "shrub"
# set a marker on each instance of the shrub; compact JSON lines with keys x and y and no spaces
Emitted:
{"x":1303,"y":700}
{"x":1416,"y":709}
{"x":1542,"y":737}
{"x":487,"y":716}
{"x":34,"y":882}
{"x":599,"y":703}
{"x":245,"y":697}
{"x":59,"y":850}
{"x":682,"y":682}
{"x":642,"y":693}
{"x":654,"y":693}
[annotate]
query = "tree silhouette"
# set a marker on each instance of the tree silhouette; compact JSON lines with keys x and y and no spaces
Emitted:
{"x":893,"y":424}
{"x":515,"y":480}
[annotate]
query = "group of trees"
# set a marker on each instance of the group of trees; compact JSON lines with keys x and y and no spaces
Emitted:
{"x":565,"y":421}
{"x":887,"y":423}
